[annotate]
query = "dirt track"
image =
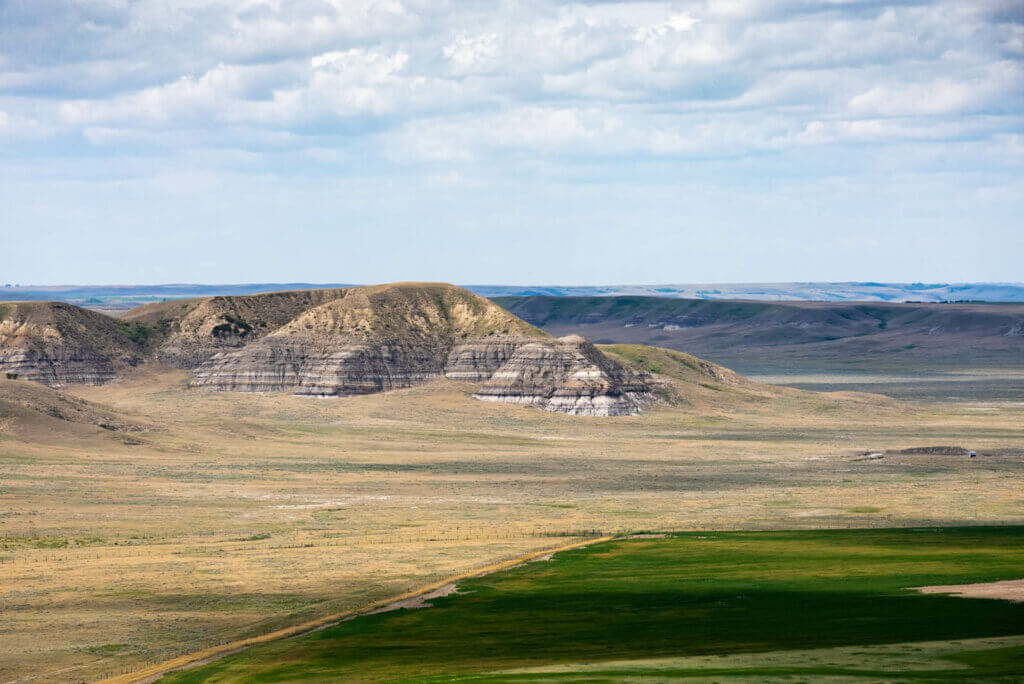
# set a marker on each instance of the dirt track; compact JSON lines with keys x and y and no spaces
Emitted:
{"x":154,"y":672}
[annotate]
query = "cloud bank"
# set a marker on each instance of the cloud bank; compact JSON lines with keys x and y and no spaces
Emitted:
{"x":761,"y":120}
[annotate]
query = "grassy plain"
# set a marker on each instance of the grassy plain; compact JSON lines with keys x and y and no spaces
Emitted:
{"x":229,"y":515}
{"x":693,"y":594}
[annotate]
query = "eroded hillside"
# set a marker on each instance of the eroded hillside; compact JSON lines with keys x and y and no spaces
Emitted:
{"x":374,"y":339}
{"x":339,"y":342}
{"x":56,"y":343}
{"x":187,"y":332}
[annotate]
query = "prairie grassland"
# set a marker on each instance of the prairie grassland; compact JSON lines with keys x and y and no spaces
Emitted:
{"x":656,"y":600}
{"x":231,"y":515}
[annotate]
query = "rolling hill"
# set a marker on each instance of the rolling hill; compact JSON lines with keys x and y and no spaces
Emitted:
{"x":338,"y":342}
{"x":116,"y":298}
{"x":56,"y":343}
{"x":759,"y":334}
{"x":805,"y":292}
{"x":186,"y":332}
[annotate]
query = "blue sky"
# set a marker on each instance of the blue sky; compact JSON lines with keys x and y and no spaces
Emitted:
{"x":146,"y":141}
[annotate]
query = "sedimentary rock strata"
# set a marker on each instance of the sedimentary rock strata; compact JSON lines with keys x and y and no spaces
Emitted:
{"x":477,"y":360}
{"x":568,"y":375}
{"x":56,"y":365}
{"x":56,"y":343}
{"x":374,"y":339}
{"x":306,"y":366}
{"x":340,"y":342}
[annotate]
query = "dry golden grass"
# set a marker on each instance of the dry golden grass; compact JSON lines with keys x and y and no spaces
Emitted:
{"x":233,"y":515}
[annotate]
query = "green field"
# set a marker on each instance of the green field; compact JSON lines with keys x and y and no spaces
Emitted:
{"x":712,"y":605}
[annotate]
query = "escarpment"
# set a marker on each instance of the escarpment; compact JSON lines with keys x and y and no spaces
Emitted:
{"x":341,"y":342}
{"x":55,"y":344}
{"x":374,"y":339}
{"x":477,"y":360}
{"x":567,"y":375}
{"x":306,"y":365}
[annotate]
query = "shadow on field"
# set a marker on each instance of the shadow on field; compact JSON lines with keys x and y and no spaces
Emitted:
{"x":688,"y":594}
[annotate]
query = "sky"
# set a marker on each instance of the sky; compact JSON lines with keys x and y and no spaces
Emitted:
{"x":518,"y":142}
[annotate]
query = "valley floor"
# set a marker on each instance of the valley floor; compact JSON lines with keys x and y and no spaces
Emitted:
{"x":229,"y":515}
{"x":941,"y":384}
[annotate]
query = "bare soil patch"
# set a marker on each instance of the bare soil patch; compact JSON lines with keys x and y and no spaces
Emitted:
{"x":1007,"y":590}
{"x":421,"y":601}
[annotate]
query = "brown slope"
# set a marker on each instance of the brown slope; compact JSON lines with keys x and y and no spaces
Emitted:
{"x":35,"y":413}
{"x":187,"y":332}
{"x":680,"y":378}
{"x":374,"y":339}
{"x":56,"y":343}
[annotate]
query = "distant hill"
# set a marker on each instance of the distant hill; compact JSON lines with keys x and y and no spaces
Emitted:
{"x":810,"y":292}
{"x":170,"y":291}
{"x":369,"y":339}
{"x":116,"y":298}
{"x":754,"y":334}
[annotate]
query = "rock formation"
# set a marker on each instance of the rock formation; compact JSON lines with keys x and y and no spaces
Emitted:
{"x":56,"y":343}
{"x":187,"y":332}
{"x":477,"y":360}
{"x":374,"y":339}
{"x":567,"y":375}
{"x":341,"y":342}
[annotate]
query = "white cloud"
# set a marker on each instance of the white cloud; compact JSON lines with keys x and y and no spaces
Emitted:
{"x":16,"y":128}
{"x":467,"y":53}
{"x":455,"y":82}
{"x":674,"y":24}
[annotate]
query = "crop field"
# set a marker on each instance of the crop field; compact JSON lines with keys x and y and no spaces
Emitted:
{"x":202,"y":518}
{"x":638,"y":608}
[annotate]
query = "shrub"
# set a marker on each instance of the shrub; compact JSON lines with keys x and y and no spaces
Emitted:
{"x":136,"y":332}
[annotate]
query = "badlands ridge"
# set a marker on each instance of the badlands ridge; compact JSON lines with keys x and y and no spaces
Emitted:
{"x":338,"y":342}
